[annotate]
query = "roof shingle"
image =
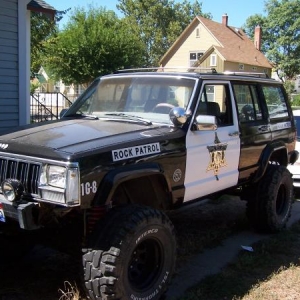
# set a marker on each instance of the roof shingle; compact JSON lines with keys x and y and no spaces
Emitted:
{"x":40,"y":6}
{"x":236,"y":45}
{"x":231,"y":43}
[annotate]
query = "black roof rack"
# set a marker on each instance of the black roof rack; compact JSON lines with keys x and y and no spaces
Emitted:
{"x":170,"y":69}
{"x":253,"y":74}
{"x":193,"y":69}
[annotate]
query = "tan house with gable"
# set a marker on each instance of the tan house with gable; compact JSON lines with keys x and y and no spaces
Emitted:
{"x":210,"y":44}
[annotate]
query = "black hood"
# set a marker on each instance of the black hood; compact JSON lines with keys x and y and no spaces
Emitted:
{"x":64,"y":138}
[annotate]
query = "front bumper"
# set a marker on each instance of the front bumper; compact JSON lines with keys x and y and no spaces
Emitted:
{"x":295,"y":171}
{"x":24,"y":213}
{"x":296,"y":180}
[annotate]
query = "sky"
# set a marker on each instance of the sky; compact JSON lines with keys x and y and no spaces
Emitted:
{"x":237,"y":10}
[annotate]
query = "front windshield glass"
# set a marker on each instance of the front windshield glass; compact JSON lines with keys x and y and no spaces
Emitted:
{"x":134,"y":97}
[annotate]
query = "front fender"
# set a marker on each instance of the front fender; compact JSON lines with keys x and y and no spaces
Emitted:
{"x":115,"y":177}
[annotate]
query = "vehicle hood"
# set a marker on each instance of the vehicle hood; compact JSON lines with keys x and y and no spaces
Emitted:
{"x":67,"y":137}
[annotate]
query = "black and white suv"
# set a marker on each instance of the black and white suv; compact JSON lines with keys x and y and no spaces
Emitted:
{"x":137,"y":144}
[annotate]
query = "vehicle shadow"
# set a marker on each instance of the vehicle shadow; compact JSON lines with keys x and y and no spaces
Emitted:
{"x":33,"y":268}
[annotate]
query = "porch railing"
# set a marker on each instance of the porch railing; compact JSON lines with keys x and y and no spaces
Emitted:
{"x":47,"y":106}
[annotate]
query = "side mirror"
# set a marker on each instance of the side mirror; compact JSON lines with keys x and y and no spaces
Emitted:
{"x":179,"y":116}
{"x":204,"y":122}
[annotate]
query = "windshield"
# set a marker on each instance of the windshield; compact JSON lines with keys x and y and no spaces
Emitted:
{"x":134,"y":97}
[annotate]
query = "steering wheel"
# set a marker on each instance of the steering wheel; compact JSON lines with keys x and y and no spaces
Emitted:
{"x":163,"y":108}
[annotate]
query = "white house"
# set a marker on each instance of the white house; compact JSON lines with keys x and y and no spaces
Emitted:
{"x":15,"y":59}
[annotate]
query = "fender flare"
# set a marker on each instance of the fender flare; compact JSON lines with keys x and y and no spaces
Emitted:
{"x":266,"y":155}
{"x":117,"y":176}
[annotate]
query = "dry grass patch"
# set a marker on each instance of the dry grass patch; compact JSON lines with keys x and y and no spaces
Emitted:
{"x":70,"y":292}
{"x":281,"y":285}
{"x":271,"y":272}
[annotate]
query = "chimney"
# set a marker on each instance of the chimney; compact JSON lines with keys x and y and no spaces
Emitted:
{"x":257,"y":37}
{"x":225,"y":20}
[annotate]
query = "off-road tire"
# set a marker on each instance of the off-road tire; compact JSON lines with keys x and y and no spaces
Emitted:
{"x":133,"y":256}
{"x":270,"y":207}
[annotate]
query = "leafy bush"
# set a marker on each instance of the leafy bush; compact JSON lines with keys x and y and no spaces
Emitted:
{"x":34,"y":86}
{"x":296,"y":100}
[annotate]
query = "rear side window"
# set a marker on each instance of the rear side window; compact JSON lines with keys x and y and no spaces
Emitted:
{"x":247,"y":102}
{"x":275,"y":101}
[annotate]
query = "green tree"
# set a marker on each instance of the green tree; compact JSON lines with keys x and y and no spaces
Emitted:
{"x":284,"y":30}
{"x":94,"y":42}
{"x":42,"y":28}
{"x":159,"y":22}
{"x":290,"y":88}
{"x":249,"y":28}
{"x":281,"y":35}
{"x":296,"y":100}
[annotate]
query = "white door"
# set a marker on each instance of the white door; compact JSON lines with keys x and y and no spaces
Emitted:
{"x":213,"y":155}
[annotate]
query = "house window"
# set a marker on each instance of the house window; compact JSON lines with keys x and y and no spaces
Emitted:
{"x":213,"y":60}
{"x":195,"y":56}
{"x":241,"y":67}
{"x":254,"y":68}
{"x":210,"y":92}
{"x":197,"y":32}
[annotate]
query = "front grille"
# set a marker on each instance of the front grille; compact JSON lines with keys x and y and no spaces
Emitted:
{"x":26,"y":172}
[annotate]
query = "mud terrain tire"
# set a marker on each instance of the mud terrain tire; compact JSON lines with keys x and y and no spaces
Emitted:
{"x":133,"y":256}
{"x":270,"y":207}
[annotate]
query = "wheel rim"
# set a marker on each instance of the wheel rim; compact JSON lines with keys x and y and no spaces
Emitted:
{"x":145,"y":264}
{"x":281,"y":202}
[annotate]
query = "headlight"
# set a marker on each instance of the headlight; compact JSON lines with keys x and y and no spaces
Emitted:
{"x":59,"y":184}
{"x":56,"y":176}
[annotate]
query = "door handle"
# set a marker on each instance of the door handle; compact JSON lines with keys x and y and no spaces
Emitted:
{"x":264,"y":128}
{"x":235,"y":133}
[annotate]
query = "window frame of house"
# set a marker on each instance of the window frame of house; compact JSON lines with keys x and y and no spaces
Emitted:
{"x":213,"y":60}
{"x":197,"y":32}
{"x":210,"y":92}
{"x":197,"y":57}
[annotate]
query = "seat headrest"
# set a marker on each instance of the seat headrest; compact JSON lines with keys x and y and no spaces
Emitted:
{"x":213,"y":109}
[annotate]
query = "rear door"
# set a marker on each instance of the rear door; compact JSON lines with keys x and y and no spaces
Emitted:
{"x":255,"y":129}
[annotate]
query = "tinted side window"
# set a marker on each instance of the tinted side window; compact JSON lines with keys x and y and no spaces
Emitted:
{"x":275,"y":101}
{"x":249,"y":108}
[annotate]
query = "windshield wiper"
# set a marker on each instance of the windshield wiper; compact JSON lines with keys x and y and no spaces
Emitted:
{"x":82,"y":116}
{"x":90,"y":116}
{"x":130,"y":117}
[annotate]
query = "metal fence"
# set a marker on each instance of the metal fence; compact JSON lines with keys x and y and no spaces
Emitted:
{"x":47,"y":106}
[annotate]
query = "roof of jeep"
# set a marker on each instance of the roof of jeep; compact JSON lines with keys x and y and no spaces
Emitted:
{"x":210,"y":75}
